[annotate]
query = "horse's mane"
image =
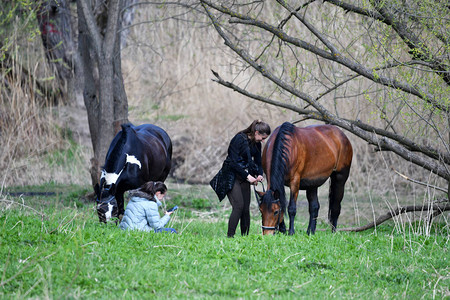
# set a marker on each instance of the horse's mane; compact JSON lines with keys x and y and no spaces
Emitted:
{"x":280,"y":159}
{"x":119,"y":143}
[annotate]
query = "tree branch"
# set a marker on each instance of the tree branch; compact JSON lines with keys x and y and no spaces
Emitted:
{"x":417,"y":46}
{"x":324,"y":115}
{"x":336,"y":57}
{"x":437,"y":208}
{"x":159,"y":3}
{"x":420,"y":182}
{"x":352,"y":8}
{"x":358,"y":68}
{"x":409,"y":144}
{"x":260,"y":68}
{"x":314,"y":31}
{"x":312,"y":114}
{"x":92,"y":27}
{"x":111,"y":29}
{"x":349,"y":125}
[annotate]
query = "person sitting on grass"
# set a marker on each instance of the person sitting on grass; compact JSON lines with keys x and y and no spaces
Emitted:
{"x":142,"y":213}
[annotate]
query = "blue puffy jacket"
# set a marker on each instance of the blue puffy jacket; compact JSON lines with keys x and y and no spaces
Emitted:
{"x":142,"y":213}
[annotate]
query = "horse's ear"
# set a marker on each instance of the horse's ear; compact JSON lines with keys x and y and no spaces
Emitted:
{"x":125,"y":126}
{"x":276,"y":195}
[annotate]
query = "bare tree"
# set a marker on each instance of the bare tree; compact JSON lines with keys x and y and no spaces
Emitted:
{"x":379,"y":69}
{"x":96,"y":62}
{"x":100,"y":60}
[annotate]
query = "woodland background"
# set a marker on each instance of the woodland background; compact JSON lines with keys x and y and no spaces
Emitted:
{"x":167,"y":57}
{"x":51,"y":243}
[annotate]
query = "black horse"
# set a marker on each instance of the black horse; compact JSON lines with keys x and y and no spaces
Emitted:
{"x":137,"y":154}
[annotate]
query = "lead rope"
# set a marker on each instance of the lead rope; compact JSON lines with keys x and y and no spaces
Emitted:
{"x":256,"y":194}
{"x":276,"y":228}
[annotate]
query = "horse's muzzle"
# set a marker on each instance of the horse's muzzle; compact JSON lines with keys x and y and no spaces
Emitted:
{"x":107,"y":209}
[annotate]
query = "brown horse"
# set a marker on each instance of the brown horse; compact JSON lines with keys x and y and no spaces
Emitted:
{"x":303,"y":159}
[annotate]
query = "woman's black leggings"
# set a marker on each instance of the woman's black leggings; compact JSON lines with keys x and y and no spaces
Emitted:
{"x":239,"y":198}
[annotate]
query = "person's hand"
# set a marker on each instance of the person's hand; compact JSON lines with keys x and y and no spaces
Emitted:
{"x":260,"y":178}
{"x":169,"y":212}
{"x":252,"y":179}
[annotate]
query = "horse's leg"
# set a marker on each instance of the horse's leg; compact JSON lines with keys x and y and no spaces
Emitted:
{"x":337,"y":184}
{"x":314,"y":206}
{"x":282,"y":227}
{"x":120,"y":205}
{"x":292,"y":208}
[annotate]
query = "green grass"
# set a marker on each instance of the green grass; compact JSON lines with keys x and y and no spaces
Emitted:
{"x":54,"y":246}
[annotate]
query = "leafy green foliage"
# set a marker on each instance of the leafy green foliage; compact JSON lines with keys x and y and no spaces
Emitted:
{"x":67,"y":253}
{"x":20,"y":14}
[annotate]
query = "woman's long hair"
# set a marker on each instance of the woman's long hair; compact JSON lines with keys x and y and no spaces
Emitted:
{"x":152,"y":187}
{"x":257,"y":125}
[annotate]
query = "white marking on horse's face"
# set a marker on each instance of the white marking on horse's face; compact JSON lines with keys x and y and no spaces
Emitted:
{"x":133,"y":160}
{"x":111,"y":178}
{"x":108,"y":214}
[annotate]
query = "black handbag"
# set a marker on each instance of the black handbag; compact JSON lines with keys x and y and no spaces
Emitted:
{"x":215,"y":184}
{"x":223,"y":182}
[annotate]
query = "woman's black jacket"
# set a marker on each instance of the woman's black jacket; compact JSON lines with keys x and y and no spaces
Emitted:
{"x":244,"y":158}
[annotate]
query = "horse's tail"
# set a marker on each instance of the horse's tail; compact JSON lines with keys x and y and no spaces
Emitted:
{"x":280,"y":161}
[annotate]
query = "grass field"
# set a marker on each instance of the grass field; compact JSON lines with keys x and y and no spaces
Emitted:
{"x":52,"y":246}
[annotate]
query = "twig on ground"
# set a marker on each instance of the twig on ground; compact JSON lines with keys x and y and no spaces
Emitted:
{"x":182,"y":230}
{"x":437,"y":208}
{"x":420,"y":182}
{"x":23,"y":205}
{"x":59,"y":226}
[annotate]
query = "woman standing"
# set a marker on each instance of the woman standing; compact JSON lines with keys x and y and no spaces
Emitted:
{"x":142,"y":210}
{"x":241,"y":168}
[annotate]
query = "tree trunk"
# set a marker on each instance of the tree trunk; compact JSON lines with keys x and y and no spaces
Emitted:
{"x":104,"y":92}
{"x":120,"y":96}
{"x":89,"y":83}
{"x":57,"y":37}
{"x":448,"y":187}
{"x":106,"y":112}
